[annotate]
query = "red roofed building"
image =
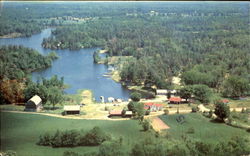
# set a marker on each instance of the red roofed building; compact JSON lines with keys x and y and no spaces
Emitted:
{"x":175,"y":100}
{"x":115,"y":113}
{"x":153,"y":107}
{"x":225,"y":101}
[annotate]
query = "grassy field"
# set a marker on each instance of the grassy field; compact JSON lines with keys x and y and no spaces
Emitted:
{"x":240,"y":103}
{"x":204,"y":129}
{"x":20,"y":132}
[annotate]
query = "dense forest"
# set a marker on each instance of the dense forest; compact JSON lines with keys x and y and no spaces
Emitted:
{"x":202,"y":43}
{"x":209,"y":46}
{"x":16,"y":63}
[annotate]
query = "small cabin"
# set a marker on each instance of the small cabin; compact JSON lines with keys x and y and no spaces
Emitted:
{"x":128,"y":114}
{"x":175,"y":100}
{"x":115,"y":113}
{"x":72,"y":109}
{"x":111,"y":99}
{"x":165,"y":91}
{"x":34,"y":104}
{"x":224,"y":101}
{"x":161,"y":92}
{"x":153,"y":107}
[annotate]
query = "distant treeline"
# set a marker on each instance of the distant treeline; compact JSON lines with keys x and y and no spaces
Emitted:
{"x":204,"y":47}
{"x":203,"y":43}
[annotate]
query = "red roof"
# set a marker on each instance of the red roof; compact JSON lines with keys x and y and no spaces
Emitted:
{"x":152,"y":104}
{"x":158,"y":105}
{"x":175,"y":99}
{"x":225,"y":100}
{"x":115,"y":112}
{"x":148,"y":104}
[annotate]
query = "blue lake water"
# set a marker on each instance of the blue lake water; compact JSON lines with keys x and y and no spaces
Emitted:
{"x":76,"y":67}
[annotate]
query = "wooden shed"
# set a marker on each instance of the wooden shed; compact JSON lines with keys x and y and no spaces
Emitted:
{"x":115,"y":113}
{"x":34,"y":104}
{"x":153,"y":107}
{"x":128,"y":114}
{"x":161,"y":92}
{"x":175,"y":100}
{"x":71,"y":109}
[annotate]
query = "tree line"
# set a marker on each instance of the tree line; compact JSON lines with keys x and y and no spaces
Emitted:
{"x":16,"y":63}
{"x":203,"y":49}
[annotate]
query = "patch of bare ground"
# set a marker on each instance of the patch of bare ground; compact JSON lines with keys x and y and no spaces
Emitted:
{"x":158,"y":125}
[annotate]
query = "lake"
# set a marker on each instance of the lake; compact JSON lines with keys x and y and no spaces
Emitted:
{"x":76,"y":67}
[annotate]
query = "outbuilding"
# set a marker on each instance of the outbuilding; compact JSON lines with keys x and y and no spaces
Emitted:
{"x":153,"y":107}
{"x":161,"y":91}
{"x":34,"y":104}
{"x":115,"y":113}
{"x":72,"y":109}
{"x":128,"y":114}
{"x":225,"y":101}
{"x":111,"y":99}
{"x":175,"y":100}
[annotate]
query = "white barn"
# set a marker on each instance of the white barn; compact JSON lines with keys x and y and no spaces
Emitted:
{"x":34,"y":104}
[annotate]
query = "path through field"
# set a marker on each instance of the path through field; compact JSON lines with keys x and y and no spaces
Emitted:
{"x":158,"y":124}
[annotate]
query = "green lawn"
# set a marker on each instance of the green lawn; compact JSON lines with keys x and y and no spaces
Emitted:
{"x":204,"y":129}
{"x":20,"y":132}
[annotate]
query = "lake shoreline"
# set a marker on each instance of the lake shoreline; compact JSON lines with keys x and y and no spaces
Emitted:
{"x":11,"y":35}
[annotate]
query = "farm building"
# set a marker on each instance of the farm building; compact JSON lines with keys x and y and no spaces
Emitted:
{"x":153,"y":107}
{"x":175,"y":100}
{"x":72,"y":109}
{"x":120,"y":113}
{"x":115,"y":113}
{"x":225,"y":101}
{"x":165,"y":91}
{"x":111,"y":99}
{"x":34,"y":104}
{"x":161,"y":92}
{"x":128,"y":114}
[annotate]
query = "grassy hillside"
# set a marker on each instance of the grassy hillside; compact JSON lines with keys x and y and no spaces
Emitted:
{"x":20,"y":132}
{"x":204,"y":129}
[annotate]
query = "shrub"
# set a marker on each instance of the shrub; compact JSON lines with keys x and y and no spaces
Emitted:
{"x":194,"y":109}
{"x":247,"y":110}
{"x":248,"y":130}
{"x":123,"y":112}
{"x":221,"y":110}
{"x":210,"y":113}
{"x":111,"y":148}
{"x":95,"y":137}
{"x":131,"y":106}
{"x":147,"y":112}
{"x":70,"y":153}
{"x":72,"y":138}
{"x":9,"y":153}
{"x":146,"y":125}
{"x":44,"y":140}
{"x":56,"y":140}
{"x":135,"y":96}
{"x":190,"y":130}
{"x":166,"y":111}
{"x":204,"y":148}
{"x":106,"y":108}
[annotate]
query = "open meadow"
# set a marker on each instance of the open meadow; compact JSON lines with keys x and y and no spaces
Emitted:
{"x":20,"y":132}
{"x":196,"y":126}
